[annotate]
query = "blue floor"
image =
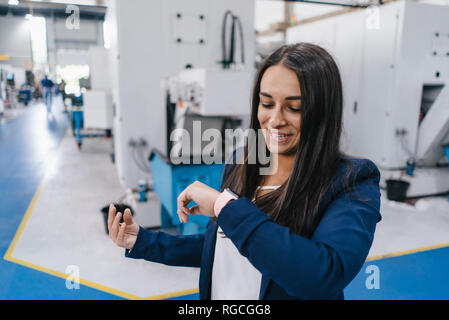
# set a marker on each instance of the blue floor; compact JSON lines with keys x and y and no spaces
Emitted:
{"x":28,"y":142}
{"x":418,"y":276}
{"x":26,"y":145}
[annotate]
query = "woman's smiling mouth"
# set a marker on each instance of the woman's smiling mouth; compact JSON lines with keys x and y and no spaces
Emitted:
{"x":279,"y":137}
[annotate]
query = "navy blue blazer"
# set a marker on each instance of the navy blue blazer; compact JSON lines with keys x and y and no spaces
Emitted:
{"x":292,"y":267}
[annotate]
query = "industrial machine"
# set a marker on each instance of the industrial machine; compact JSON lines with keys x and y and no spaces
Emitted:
{"x":394,"y":62}
{"x":197,"y":64}
{"x":201,"y":107}
{"x":98,"y":99}
{"x":199,"y":100}
{"x":179,"y":34}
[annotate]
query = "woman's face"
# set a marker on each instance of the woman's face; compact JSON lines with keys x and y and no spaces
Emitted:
{"x":279,"y":111}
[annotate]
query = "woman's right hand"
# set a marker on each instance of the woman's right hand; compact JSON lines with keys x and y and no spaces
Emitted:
{"x":123,"y":234}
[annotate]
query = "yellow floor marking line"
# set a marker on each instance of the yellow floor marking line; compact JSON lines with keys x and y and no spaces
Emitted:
{"x":12,"y":246}
{"x":401,"y":253}
{"x":8,"y":255}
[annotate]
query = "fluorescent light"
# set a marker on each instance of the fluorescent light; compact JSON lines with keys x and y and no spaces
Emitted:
{"x":13,"y":2}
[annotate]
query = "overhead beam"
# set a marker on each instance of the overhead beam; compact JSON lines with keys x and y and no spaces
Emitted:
{"x":342,"y":4}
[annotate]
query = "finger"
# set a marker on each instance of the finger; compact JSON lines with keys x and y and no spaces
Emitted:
{"x":121,"y":234}
{"x":183,"y":217}
{"x":195,"y":210}
{"x":183,"y":201}
{"x":180,"y":200}
{"x":128,"y":217}
{"x":115,"y":226}
{"x":111,"y":215}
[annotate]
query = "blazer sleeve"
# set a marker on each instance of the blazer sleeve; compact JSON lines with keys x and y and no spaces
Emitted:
{"x":179,"y":250}
{"x":168,"y":249}
{"x":316,"y":268}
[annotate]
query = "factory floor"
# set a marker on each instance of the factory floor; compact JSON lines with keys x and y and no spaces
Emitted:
{"x":52,"y":229}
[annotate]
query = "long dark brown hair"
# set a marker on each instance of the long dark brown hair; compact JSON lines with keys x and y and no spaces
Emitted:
{"x":295,"y":204}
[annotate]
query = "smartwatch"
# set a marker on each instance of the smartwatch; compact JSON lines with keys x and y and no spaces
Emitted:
{"x":226,"y":196}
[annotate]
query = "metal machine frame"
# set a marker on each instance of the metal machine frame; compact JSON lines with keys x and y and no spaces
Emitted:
{"x":181,"y":39}
{"x":394,"y":62}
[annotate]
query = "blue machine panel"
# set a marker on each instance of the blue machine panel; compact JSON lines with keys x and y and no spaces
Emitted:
{"x":446,"y":149}
{"x":170,"y":180}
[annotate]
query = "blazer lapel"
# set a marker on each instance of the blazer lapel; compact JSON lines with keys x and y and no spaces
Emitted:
{"x":207,"y":261}
{"x":263,"y":286}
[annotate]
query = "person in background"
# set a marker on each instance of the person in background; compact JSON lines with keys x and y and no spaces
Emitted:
{"x":63,"y":93}
{"x":46,"y":88}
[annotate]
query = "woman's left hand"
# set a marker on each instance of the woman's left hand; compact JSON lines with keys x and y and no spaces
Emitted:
{"x":203,"y":195}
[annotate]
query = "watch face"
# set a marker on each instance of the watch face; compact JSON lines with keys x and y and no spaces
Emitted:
{"x":232,"y":192}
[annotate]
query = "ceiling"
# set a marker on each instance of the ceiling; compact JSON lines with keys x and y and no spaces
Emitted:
{"x":65,"y":2}
{"x":89,"y":9}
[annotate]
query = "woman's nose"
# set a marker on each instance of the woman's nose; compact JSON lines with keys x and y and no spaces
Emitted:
{"x":277,"y":118}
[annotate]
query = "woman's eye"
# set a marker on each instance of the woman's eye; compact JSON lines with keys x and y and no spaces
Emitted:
{"x":267,"y":105}
{"x":295,"y":109}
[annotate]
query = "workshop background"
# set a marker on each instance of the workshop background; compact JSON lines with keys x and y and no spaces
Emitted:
{"x":122,"y":75}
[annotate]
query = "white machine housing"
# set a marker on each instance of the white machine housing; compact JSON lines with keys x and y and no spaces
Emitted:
{"x":149,"y":45}
{"x":98,"y":106}
{"x":98,"y":109}
{"x":394,"y":61}
{"x":213,"y":92}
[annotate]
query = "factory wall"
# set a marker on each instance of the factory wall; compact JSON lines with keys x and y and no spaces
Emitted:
{"x":64,"y":46}
{"x":15,"y":40}
{"x":70,"y":46}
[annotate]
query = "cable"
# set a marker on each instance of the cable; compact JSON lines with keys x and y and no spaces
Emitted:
{"x":141,"y":164}
{"x":146,"y":165}
{"x":232,"y":49}
{"x":138,"y":164}
{"x":241,"y":39}
{"x":404,"y":146}
{"x":228,"y":59}
{"x":224,"y":60}
{"x":144,"y":162}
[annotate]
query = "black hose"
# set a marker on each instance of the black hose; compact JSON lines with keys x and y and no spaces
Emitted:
{"x":232,"y":49}
{"x":241,"y":38}
{"x":228,"y":59}
{"x":224,"y":60}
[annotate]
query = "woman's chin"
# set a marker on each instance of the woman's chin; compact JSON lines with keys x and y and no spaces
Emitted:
{"x":280,"y":150}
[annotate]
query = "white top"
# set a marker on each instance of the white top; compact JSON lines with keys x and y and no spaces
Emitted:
{"x":233,"y":276}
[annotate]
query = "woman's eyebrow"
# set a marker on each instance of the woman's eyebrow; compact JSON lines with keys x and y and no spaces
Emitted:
{"x":293,"y":98}
{"x":265,"y":94}
{"x":288,"y":98}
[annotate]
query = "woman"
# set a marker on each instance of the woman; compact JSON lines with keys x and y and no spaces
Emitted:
{"x":310,"y":223}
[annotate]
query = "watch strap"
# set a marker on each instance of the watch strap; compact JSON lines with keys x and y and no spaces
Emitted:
{"x":223,"y":200}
